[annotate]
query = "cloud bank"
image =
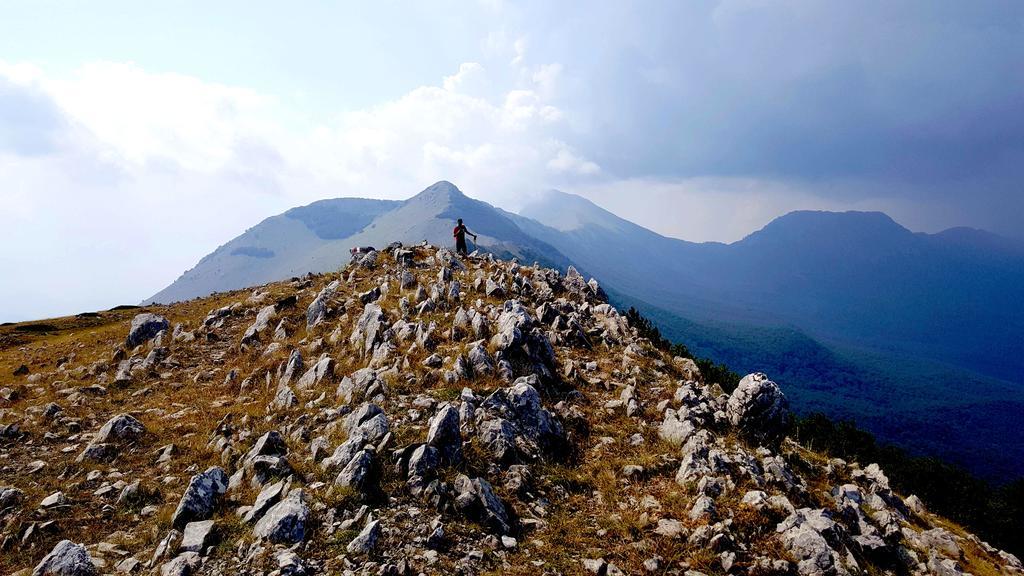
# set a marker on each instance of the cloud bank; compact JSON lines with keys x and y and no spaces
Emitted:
{"x":699,"y":120}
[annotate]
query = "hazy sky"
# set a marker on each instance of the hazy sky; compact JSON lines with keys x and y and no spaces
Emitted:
{"x":135,"y":138}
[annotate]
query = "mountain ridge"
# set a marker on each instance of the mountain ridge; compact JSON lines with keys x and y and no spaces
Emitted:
{"x":506,"y":420}
{"x":856,"y":283}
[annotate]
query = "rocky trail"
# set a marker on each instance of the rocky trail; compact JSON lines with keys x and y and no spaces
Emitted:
{"x":416,"y":413}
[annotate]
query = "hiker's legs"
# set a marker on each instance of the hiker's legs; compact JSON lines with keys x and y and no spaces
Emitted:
{"x":460,"y":247}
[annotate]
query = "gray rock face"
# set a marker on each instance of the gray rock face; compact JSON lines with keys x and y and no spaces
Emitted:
{"x":197,"y":536}
{"x":120,"y":429}
{"x":144,"y":327}
{"x":317,"y":310}
{"x":285,"y":522}
{"x":66,"y":559}
{"x":201,"y":497}
{"x":808,"y":535}
{"x":261,"y":325}
{"x":476,"y":499}
{"x":444,"y":434}
{"x":324,"y":368}
{"x":365,"y":542}
{"x":514,"y":423}
{"x":369,"y":328}
{"x":268,"y":496}
{"x":357,"y":472}
{"x":759,"y":410}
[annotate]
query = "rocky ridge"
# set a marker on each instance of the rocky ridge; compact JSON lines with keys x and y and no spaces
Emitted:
{"x":419,"y":413}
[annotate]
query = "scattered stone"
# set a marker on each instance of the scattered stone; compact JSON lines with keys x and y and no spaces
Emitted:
{"x":366,"y":540}
{"x":197,"y":536}
{"x":66,"y":559}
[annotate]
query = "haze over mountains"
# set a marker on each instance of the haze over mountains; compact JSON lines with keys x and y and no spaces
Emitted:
{"x":916,"y":336}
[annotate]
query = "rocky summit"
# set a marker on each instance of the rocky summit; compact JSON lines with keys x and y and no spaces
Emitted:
{"x":419,"y":413}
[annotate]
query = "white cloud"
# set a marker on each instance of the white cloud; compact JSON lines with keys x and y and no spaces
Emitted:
{"x":566,"y":160}
{"x":468,"y":71}
{"x":155,"y":170}
{"x":519,"y":47}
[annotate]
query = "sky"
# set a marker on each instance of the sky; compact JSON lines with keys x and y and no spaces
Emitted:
{"x":137,"y":137}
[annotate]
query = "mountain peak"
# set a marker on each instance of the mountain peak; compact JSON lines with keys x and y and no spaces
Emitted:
{"x":566,"y":212}
{"x":822,"y":224}
{"x":441,"y":191}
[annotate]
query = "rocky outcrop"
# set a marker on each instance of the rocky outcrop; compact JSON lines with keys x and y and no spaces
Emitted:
{"x":490,"y":417}
{"x":759,"y":410}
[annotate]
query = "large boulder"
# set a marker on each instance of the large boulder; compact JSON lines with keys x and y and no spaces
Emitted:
{"x":476,"y":499}
{"x":144,"y":327}
{"x":285,"y":522}
{"x":66,"y":559}
{"x":201,"y":497}
{"x":759,"y":410}
{"x":120,"y":429}
{"x":515,"y":423}
{"x":444,"y":435}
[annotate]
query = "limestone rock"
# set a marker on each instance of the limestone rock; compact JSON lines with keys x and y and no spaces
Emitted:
{"x":285,"y":522}
{"x":201,"y":497}
{"x":66,"y":559}
{"x":476,"y":499}
{"x":366,"y":540}
{"x":759,"y":410}
{"x":144,"y":327}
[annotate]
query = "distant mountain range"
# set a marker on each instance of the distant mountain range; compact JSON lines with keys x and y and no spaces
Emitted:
{"x":916,"y":336}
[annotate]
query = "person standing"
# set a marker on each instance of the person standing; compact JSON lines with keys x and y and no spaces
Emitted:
{"x":459,"y":233}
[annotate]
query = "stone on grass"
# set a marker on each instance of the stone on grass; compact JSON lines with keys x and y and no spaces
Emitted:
{"x":201,"y":497}
{"x":66,"y":559}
